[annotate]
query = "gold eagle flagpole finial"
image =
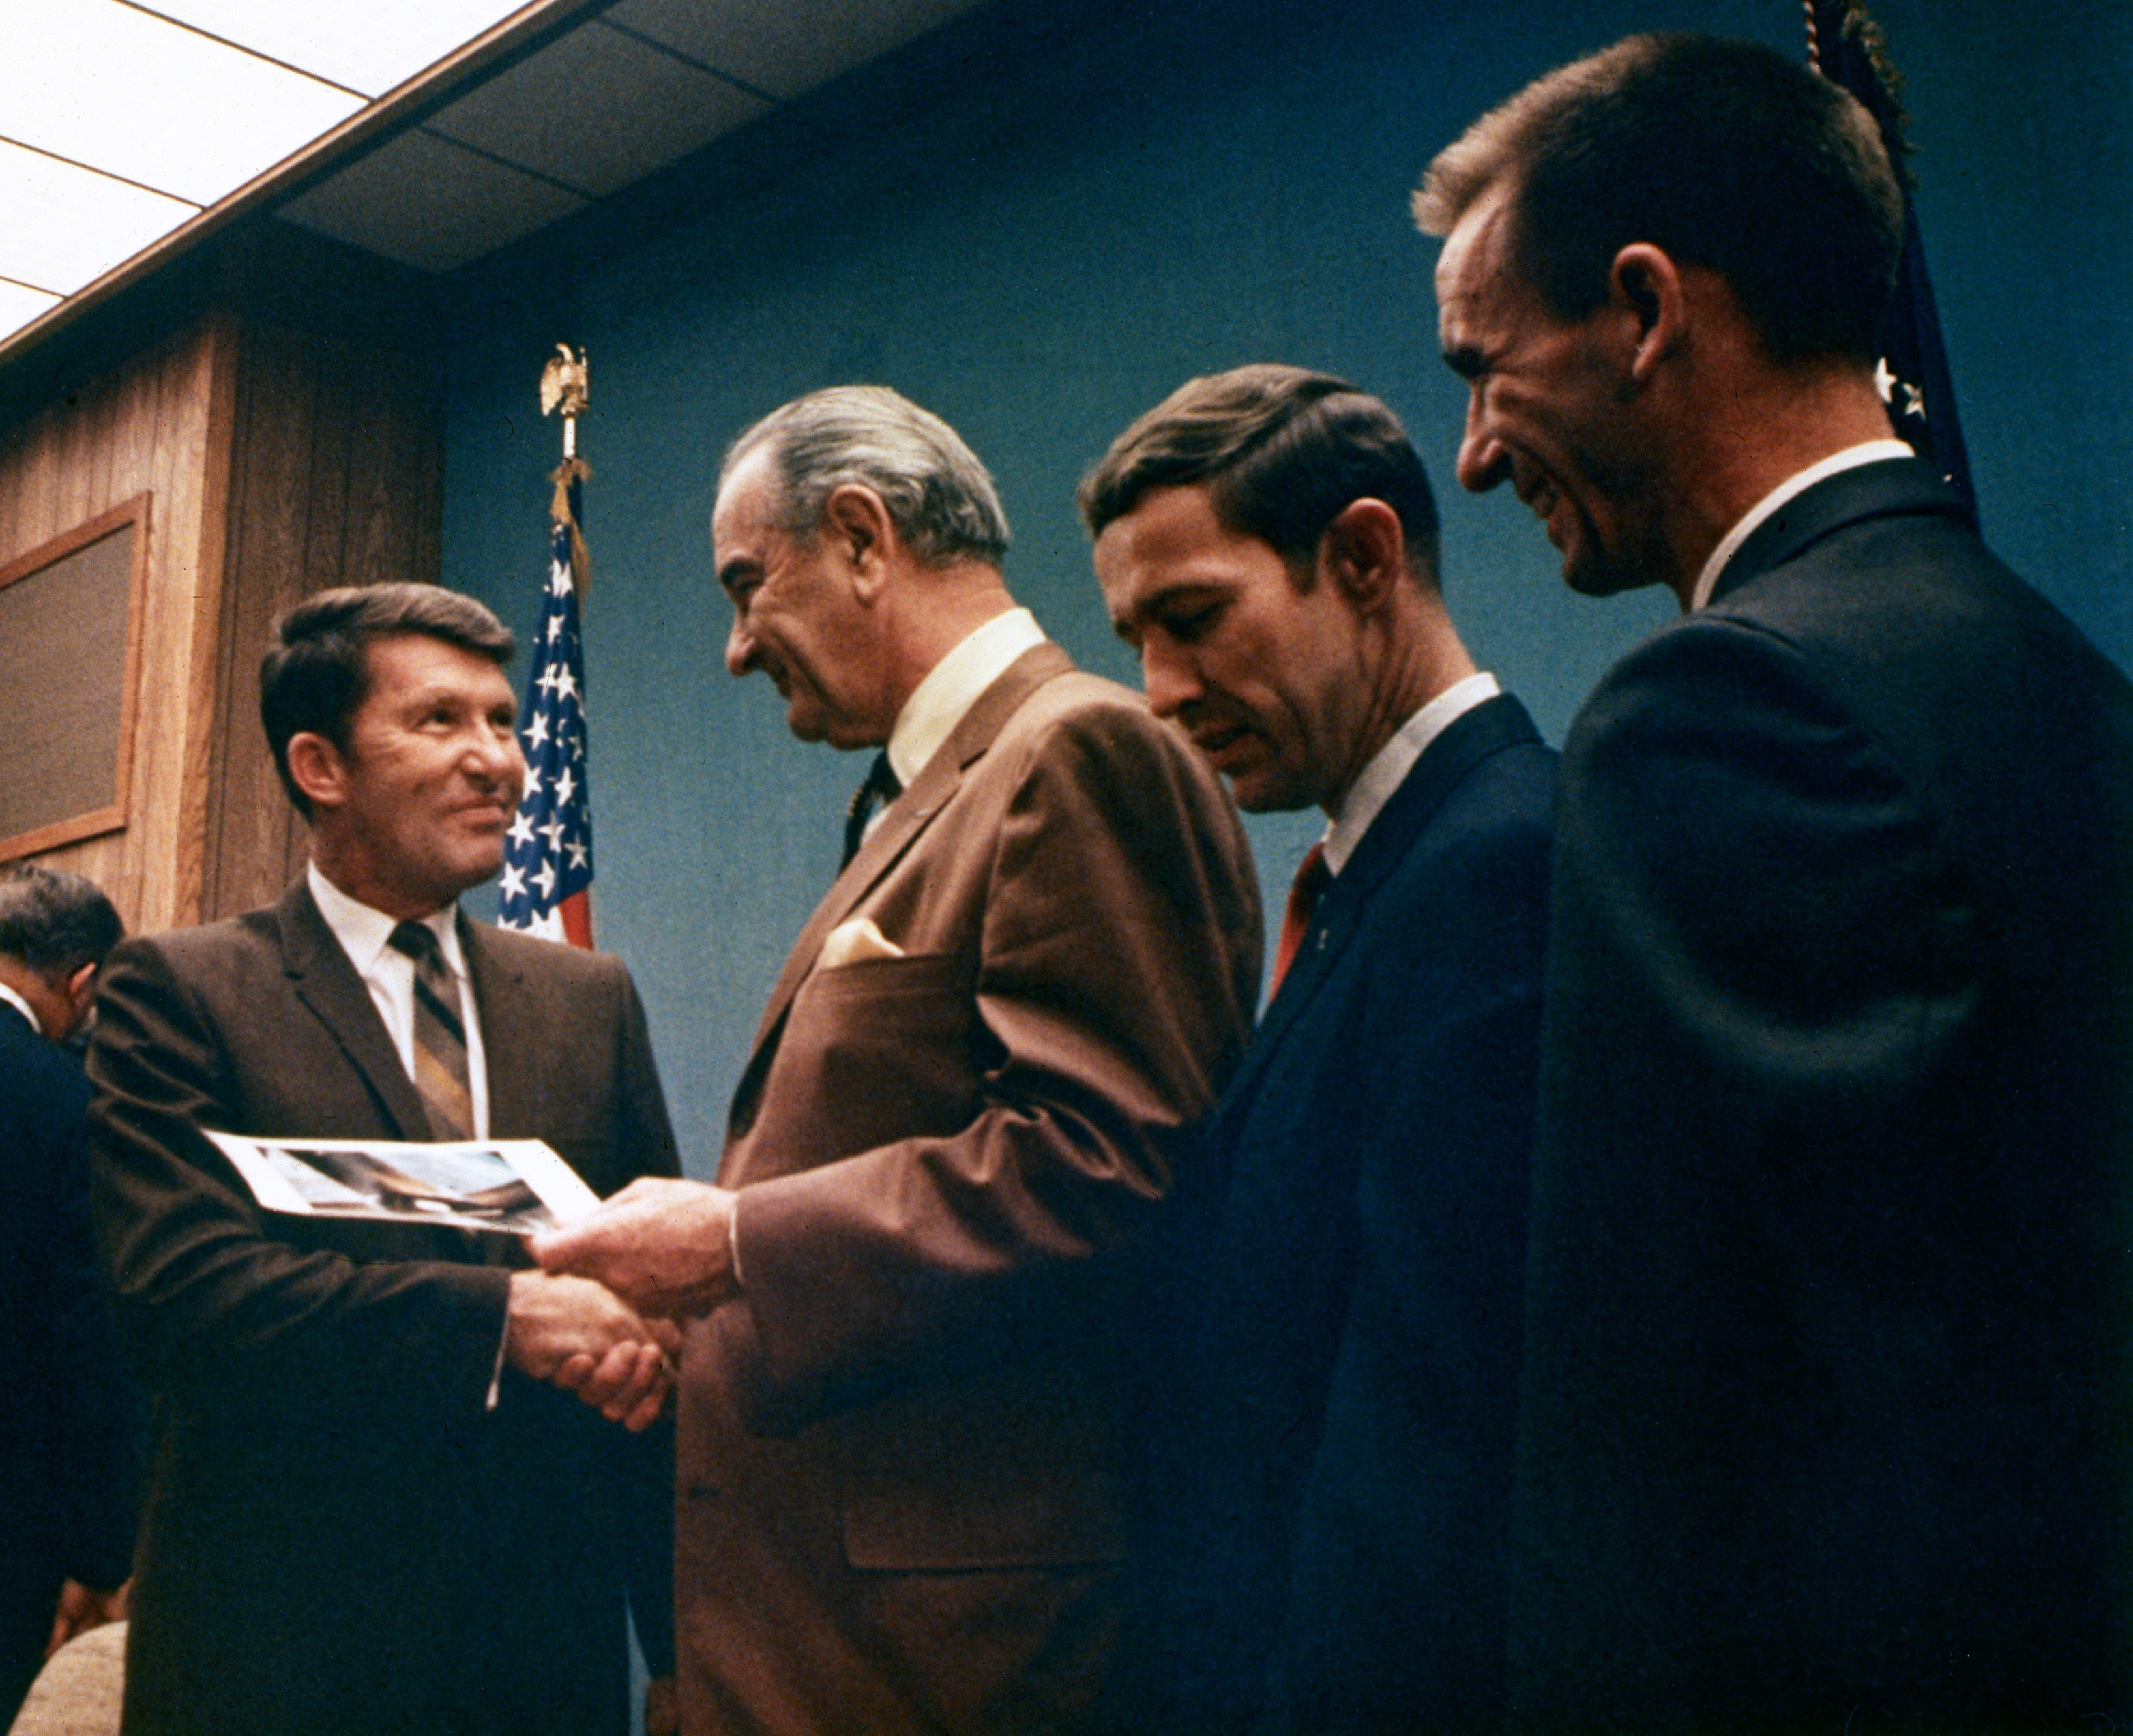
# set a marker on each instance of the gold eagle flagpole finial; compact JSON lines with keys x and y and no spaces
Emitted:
{"x":563,"y":388}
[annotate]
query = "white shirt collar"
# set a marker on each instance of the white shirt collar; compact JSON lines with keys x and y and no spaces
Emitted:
{"x":1867,"y":452}
{"x":23,"y":1007}
{"x":1390,"y":764}
{"x":364,"y":932}
{"x":952,"y":686}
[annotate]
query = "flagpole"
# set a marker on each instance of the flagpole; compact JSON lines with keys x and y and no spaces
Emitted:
{"x":1847,"y":47}
{"x":546,"y":887}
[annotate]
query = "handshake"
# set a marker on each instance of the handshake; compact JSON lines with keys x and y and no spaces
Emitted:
{"x":600,"y":1316}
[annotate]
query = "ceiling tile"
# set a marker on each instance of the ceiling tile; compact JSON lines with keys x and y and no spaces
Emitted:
{"x":19,"y":306}
{"x":61,"y":227}
{"x":369,"y":45}
{"x":429,"y":203}
{"x":597,"y":110}
{"x":113,"y":87}
{"x":784,"y":50}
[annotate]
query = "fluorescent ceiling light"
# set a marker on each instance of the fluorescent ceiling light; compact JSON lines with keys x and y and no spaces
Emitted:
{"x":63,"y":227}
{"x":19,"y":306}
{"x":369,"y":45}
{"x":105,"y":85}
{"x":119,"y":121}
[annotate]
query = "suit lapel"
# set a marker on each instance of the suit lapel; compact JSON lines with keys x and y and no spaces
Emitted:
{"x":1472,"y":737}
{"x":901,"y":825}
{"x":1866,"y":491}
{"x":325,"y":982}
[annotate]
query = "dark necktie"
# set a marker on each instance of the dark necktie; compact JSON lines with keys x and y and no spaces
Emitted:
{"x":882,"y":785}
{"x":1312,"y":877}
{"x":440,"y":1052}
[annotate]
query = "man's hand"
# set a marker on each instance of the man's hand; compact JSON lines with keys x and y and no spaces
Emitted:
{"x":571,"y":1332}
{"x":81,"y":1609}
{"x":666,"y":1248}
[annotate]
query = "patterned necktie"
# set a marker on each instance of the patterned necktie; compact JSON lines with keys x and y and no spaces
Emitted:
{"x":440,"y":1053}
{"x":882,"y":785}
{"x":1312,"y":877}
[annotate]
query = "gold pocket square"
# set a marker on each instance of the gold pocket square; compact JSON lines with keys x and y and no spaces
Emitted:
{"x":851,"y":942}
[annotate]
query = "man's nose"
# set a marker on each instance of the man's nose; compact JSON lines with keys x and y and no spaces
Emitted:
{"x":1167,"y":676}
{"x":500,"y":755}
{"x":1483,"y":462}
{"x":740,"y":648}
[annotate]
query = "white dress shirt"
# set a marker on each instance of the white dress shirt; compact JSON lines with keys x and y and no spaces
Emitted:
{"x":22,"y":1006}
{"x":951,"y":687}
{"x":389,"y":974}
{"x":1867,"y":452}
{"x":1390,"y":764}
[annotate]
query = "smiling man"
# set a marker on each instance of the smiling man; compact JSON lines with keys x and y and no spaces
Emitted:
{"x":921,"y":1272}
{"x":1825,"y":1415}
{"x":368,"y":1510}
{"x":1332,"y":1480}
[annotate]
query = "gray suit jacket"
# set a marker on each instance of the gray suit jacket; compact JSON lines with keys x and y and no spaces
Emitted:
{"x":339,"y":1536}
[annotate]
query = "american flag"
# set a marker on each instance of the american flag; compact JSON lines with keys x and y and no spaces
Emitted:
{"x":548,"y":852}
{"x":1846,"y":46}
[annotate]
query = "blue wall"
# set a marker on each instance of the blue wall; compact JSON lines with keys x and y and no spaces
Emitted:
{"x":1038,"y":223}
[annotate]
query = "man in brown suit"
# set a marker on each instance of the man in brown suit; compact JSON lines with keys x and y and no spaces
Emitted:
{"x":900,"y":1411}
{"x":368,"y":1511}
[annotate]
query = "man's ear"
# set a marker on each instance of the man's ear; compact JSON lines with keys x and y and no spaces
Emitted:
{"x":857,"y":526}
{"x":317,"y":768}
{"x":1363,"y":552}
{"x":1644,"y":283}
{"x":80,"y":988}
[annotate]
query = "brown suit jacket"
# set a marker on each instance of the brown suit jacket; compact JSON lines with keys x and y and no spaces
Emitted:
{"x":900,"y":1451}
{"x":339,"y":1536}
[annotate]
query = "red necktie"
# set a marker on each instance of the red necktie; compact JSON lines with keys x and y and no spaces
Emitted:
{"x":1313,"y":876}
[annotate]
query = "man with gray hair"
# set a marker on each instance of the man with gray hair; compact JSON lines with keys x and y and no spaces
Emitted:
{"x":1824,"y":1416}
{"x":915,"y":1286}
{"x":66,"y":1431}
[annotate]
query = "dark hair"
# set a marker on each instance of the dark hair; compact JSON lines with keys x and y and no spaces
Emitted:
{"x":54,"y":922}
{"x":315,"y":675}
{"x":1725,"y":155}
{"x":1283,"y":452}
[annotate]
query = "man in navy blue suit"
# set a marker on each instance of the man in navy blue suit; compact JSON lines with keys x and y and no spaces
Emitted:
{"x":1826,"y":1416}
{"x":1331,"y":1474}
{"x":67,"y":1429}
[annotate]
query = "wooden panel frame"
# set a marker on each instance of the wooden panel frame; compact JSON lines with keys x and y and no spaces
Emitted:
{"x":112,"y":818}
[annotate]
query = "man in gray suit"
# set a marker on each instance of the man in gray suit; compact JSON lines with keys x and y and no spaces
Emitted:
{"x":367,"y":1509}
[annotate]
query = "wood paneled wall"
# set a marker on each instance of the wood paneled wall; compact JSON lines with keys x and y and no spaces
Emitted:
{"x":281,"y":463}
{"x":159,"y":423}
{"x":336,"y":464}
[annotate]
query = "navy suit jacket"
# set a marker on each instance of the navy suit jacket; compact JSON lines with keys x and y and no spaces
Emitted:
{"x":68,"y":1456}
{"x":1825,"y":1422}
{"x":1331,"y":1483}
